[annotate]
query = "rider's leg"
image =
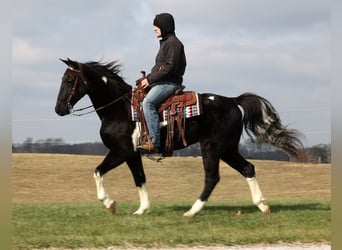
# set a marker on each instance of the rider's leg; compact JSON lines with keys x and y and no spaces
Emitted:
{"x":158,"y":93}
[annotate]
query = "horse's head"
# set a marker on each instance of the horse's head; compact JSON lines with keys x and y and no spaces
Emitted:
{"x":73,"y":87}
{"x":100,"y":81}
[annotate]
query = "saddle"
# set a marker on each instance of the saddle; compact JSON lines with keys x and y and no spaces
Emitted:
{"x":174,"y":110}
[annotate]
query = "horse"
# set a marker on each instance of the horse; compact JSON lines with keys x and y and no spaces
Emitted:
{"x":217,"y":130}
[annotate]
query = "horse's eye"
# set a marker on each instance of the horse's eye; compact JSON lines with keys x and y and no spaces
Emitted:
{"x":70,"y":81}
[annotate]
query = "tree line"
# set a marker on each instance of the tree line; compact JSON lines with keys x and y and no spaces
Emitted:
{"x":317,"y":154}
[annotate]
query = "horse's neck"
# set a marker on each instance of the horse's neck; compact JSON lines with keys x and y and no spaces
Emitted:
{"x":109,"y":100}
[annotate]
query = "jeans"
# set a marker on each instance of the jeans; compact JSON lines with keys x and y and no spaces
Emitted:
{"x":159,"y":92}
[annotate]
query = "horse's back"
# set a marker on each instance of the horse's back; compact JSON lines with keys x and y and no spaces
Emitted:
{"x":220,"y":120}
{"x":220,"y":107}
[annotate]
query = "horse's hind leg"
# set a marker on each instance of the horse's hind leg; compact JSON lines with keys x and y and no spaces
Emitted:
{"x":246,"y":169}
{"x":212,"y":177}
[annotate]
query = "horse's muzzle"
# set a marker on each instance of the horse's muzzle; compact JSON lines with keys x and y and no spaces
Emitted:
{"x":62,"y":110}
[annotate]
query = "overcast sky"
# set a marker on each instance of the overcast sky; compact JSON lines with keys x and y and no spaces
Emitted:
{"x":277,"y":49}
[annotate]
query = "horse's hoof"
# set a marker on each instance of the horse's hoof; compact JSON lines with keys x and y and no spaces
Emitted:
{"x":267,"y":209}
{"x":141,"y":211}
{"x":238,"y":213}
{"x":189,"y":214}
{"x":195,"y":209}
{"x":112,"y":208}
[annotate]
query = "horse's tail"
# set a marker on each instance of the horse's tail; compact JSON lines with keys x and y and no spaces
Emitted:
{"x":261,"y":118}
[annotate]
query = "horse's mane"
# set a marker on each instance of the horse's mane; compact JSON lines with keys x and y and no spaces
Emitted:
{"x":110,"y":69}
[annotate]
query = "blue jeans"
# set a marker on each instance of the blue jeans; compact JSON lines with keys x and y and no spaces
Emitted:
{"x":159,"y":92}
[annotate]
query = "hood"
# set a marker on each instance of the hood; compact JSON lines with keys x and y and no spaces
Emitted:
{"x":165,"y":22}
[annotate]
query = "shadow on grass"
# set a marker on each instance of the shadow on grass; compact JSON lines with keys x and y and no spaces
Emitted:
{"x":275,"y":208}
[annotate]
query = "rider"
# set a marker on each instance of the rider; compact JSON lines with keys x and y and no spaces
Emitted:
{"x":165,"y":77}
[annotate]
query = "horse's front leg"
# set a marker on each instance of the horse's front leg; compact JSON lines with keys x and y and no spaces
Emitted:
{"x":102,"y":195}
{"x":136,"y":167}
{"x":144,"y":201}
{"x":111,"y":161}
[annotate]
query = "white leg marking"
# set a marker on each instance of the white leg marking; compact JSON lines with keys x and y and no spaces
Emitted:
{"x":102,"y":195}
{"x":144,"y":200}
{"x":136,"y":135}
{"x":195,"y":209}
{"x":108,"y":202}
{"x":257,"y":196}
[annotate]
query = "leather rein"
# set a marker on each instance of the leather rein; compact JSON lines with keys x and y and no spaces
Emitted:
{"x":73,"y":91}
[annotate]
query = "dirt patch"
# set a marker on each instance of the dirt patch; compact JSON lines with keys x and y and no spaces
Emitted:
{"x":45,"y":178}
{"x":69,"y":178}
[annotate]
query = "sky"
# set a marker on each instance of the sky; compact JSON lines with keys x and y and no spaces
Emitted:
{"x":277,"y":49}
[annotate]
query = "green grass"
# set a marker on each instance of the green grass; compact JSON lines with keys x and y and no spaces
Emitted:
{"x":75,"y":225}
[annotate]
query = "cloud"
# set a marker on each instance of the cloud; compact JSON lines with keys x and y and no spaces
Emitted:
{"x":24,"y":53}
{"x":278,"y":49}
{"x":254,"y":16}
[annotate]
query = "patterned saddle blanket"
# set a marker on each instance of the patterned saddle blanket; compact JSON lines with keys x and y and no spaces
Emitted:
{"x":175,"y":109}
{"x":187,"y":103}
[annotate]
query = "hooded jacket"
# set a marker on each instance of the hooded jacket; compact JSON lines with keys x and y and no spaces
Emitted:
{"x":170,"y":61}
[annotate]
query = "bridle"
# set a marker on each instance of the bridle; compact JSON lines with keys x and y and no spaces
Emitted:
{"x":74,"y":87}
{"x":73,"y":92}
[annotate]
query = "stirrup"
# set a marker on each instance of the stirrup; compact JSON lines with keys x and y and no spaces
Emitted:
{"x":148,"y":147}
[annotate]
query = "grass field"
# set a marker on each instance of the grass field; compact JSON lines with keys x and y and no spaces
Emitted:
{"x":54,"y":204}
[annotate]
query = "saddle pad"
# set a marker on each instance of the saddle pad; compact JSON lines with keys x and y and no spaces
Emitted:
{"x":192,"y":110}
{"x":189,"y":110}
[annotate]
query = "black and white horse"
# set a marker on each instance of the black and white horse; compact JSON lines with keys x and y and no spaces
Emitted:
{"x":218,"y":130}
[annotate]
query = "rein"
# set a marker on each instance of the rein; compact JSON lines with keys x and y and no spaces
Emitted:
{"x":73,"y":91}
{"x":73,"y":112}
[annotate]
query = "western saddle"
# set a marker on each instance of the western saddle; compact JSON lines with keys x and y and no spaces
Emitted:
{"x":171,"y":110}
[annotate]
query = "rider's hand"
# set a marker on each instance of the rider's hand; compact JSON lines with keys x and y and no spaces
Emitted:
{"x":145,"y":83}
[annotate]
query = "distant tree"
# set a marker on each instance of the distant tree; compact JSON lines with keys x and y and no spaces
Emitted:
{"x":320,"y":153}
{"x":27,"y":145}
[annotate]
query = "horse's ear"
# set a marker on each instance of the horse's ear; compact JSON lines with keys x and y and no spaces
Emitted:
{"x":70,"y":63}
{"x":65,"y":61}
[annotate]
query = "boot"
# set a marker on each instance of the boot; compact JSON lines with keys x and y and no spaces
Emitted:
{"x":148,"y":147}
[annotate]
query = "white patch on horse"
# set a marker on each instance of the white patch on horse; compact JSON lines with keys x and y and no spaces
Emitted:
{"x":195,"y":209}
{"x":163,"y":124}
{"x":212,"y":98}
{"x":104,"y":79}
{"x":108,"y":202}
{"x":102,"y":195}
{"x":257,"y":197}
{"x":136,"y":135}
{"x":144,"y":200}
{"x":242,"y":111}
